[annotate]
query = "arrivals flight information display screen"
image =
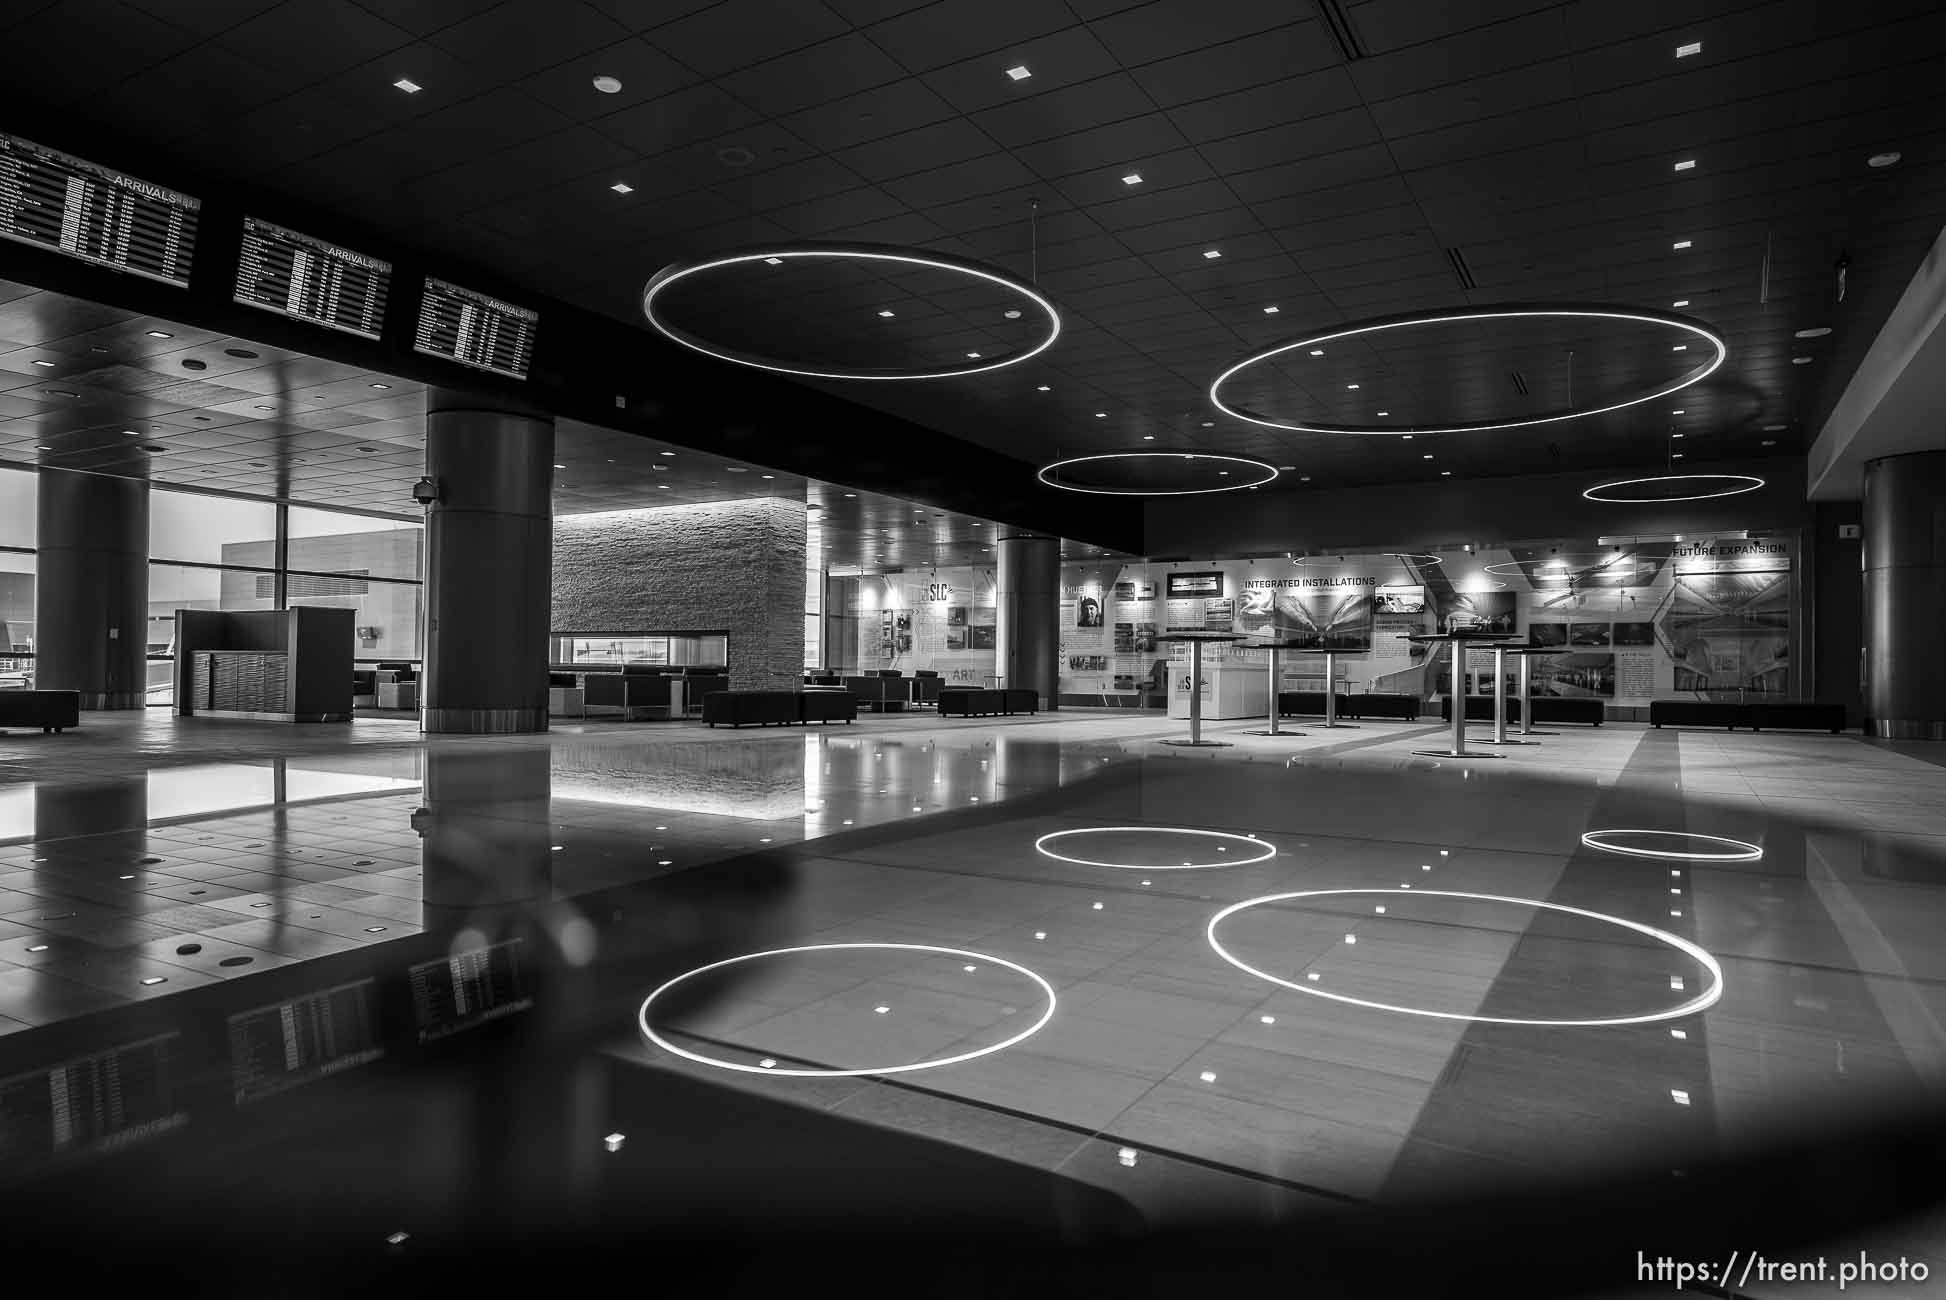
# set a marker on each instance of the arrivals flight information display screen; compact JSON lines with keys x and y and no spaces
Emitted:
{"x":310,"y":280}
{"x":95,"y":1102}
{"x":69,"y":205}
{"x":475,"y":330}
{"x":467,"y":989}
{"x":288,"y":1043}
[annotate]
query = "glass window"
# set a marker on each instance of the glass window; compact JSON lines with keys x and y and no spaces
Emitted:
{"x":173,"y":587}
{"x":387,"y":618}
{"x":17,"y":507}
{"x":16,"y":619}
{"x":325,"y":541}
{"x":212,"y":530}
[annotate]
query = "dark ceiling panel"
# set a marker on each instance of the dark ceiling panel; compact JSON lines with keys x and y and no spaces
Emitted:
{"x":952,"y":31}
{"x":739,"y":33}
{"x":831,"y":70}
{"x":1170,"y":28}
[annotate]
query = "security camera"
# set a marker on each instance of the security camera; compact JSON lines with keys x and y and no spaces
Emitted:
{"x":425,"y":492}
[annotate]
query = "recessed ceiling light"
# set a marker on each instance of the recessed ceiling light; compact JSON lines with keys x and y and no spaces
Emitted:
{"x":973,"y":356}
{"x":1686,"y":165}
{"x":1012,"y":313}
{"x":1019,"y":72}
{"x":159,"y":334}
{"x":622,"y":187}
{"x":1681,"y":244}
{"x":738,"y":469}
{"x":560,"y":467}
{"x":1043,"y":388}
{"x":1405,"y":437}
{"x":1815,"y":333}
{"x":409,"y":86}
{"x":1677,"y":456}
{"x":1680,"y":347}
{"x":1147,"y":437}
{"x":1427,"y":456}
{"x":1770,"y":442}
{"x":773,"y":261}
{"x":1348,"y":387}
{"x":1775,"y":428}
{"x":665,"y":453}
{"x":1883,"y":159}
{"x":1675,"y":435}
{"x":1209,"y":424}
{"x":1101,"y":415}
{"x":1388,"y":413}
{"x":1800,"y":361}
{"x":381,"y":385}
{"x":1271,"y":311}
{"x":887,"y":313}
{"x":1133,"y":178}
{"x":1445,"y":473}
{"x":770,"y":476}
{"x":1680,"y":302}
{"x":48,"y":364}
{"x":1304,"y":478}
{"x":608,"y":85}
{"x":1684,"y":51}
{"x":1678,"y":411}
{"x":130,"y":433}
{"x":662,"y":487}
{"x":1317,"y":352}
{"x":1212,"y":253}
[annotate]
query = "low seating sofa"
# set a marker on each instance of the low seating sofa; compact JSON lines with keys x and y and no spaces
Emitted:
{"x":1777,"y":715}
{"x":784,"y":708}
{"x":51,"y":711}
{"x":983,"y":701}
{"x":1547,"y":708}
{"x":1384,"y":704}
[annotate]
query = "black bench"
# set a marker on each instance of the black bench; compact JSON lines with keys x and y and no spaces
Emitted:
{"x":784,"y":708}
{"x":1384,"y":704}
{"x":977,"y":701}
{"x":53,"y":711}
{"x":1307,"y":703}
{"x":1781,"y":714}
{"x":1547,"y":708}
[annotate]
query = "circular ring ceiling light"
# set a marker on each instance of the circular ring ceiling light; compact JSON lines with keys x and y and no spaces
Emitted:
{"x":1269,"y":472}
{"x":783,"y":255}
{"x":1506,"y":311}
{"x":1710,"y":485}
{"x":642,"y":1016}
{"x":1264,"y":852}
{"x":1424,"y":559}
{"x":1612,"y":565}
{"x":1703,"y":1000}
{"x":1711,"y":848}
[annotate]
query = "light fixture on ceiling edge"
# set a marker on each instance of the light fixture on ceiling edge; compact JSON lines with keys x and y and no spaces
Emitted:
{"x":1750,"y":483}
{"x":817,"y":251}
{"x":1270,"y":473}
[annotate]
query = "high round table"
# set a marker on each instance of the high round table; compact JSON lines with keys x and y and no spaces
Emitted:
{"x":1524,"y":653}
{"x":1274,"y":647}
{"x":1331,"y":692}
{"x":1196,"y":640}
{"x":1457,"y":694}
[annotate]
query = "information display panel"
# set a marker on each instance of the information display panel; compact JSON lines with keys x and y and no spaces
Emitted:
{"x":288,"y":1043}
{"x":475,"y":330}
{"x":56,"y":201}
{"x":468,"y":989}
{"x":307,"y":279}
{"x":93,"y":1103}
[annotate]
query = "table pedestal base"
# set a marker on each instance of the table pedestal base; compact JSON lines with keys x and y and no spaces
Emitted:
{"x":1454,"y":753}
{"x":1281,"y":731}
{"x":1199,"y":744}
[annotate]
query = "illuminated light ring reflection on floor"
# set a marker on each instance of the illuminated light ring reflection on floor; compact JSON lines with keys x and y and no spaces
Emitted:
{"x":642,"y":1016}
{"x":1739,"y":851}
{"x":1750,"y":483}
{"x":1504,"y":311}
{"x":814,"y":251}
{"x":1702,"y":1001}
{"x":1269,"y":850}
{"x":1269,"y":473}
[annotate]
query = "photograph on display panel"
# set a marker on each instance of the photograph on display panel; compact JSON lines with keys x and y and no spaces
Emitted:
{"x":1319,"y":619}
{"x":1730,"y":631}
{"x":1477,"y":611}
{"x":1580,"y":676}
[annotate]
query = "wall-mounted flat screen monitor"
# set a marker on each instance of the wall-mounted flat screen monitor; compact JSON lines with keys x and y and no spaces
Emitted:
{"x":307,"y":279}
{"x":475,"y":330}
{"x":1185,"y":585}
{"x":288,"y":1043}
{"x":92,"y":1103}
{"x":468,"y":988}
{"x":69,"y":205}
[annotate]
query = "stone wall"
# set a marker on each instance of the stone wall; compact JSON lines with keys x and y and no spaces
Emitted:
{"x":735,"y":566}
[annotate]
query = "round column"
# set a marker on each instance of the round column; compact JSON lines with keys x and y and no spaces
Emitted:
{"x":1028,"y":634}
{"x":489,"y":566}
{"x":91,"y":588}
{"x":1905,"y":590}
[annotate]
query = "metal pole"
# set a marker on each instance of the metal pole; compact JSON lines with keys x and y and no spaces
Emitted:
{"x":1195,"y":692}
{"x":1499,"y":696}
{"x":1273,"y":690}
{"x":1330,"y":688}
{"x":1526,"y":695}
{"x":1458,"y":699}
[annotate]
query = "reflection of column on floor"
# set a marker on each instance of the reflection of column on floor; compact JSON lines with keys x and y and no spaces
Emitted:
{"x":64,"y":810}
{"x":487,"y":840}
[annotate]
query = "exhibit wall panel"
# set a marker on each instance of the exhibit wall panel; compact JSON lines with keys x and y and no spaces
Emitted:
{"x":731,"y":566}
{"x":943,"y":620}
{"x":1632,"y":623}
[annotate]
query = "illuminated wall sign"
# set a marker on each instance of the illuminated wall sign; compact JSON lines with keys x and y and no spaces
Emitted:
{"x":475,"y":330}
{"x":1194,"y":584}
{"x":309,"y":280}
{"x":56,"y":201}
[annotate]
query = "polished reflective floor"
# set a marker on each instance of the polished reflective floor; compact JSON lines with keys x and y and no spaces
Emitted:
{"x":1047,"y":977}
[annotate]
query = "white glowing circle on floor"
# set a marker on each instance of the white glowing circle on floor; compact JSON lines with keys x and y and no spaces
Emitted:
{"x":1266,"y":851}
{"x":1669,"y":846}
{"x":769,"y":1066}
{"x":1712,"y":991}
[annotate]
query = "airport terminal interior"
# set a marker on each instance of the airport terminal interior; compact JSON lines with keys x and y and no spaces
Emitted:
{"x":974,"y":647}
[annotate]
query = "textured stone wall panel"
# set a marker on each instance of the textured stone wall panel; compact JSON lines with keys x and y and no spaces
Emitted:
{"x":737,"y":566}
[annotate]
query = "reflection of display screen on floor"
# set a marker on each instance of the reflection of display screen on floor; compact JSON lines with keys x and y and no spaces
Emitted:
{"x":468,"y":989}
{"x":288,"y":1043}
{"x":92,"y":1103}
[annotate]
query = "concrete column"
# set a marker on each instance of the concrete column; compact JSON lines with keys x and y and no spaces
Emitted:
{"x":1029,"y":616}
{"x":1905,"y":596}
{"x":91,"y":588}
{"x":489,"y":553}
